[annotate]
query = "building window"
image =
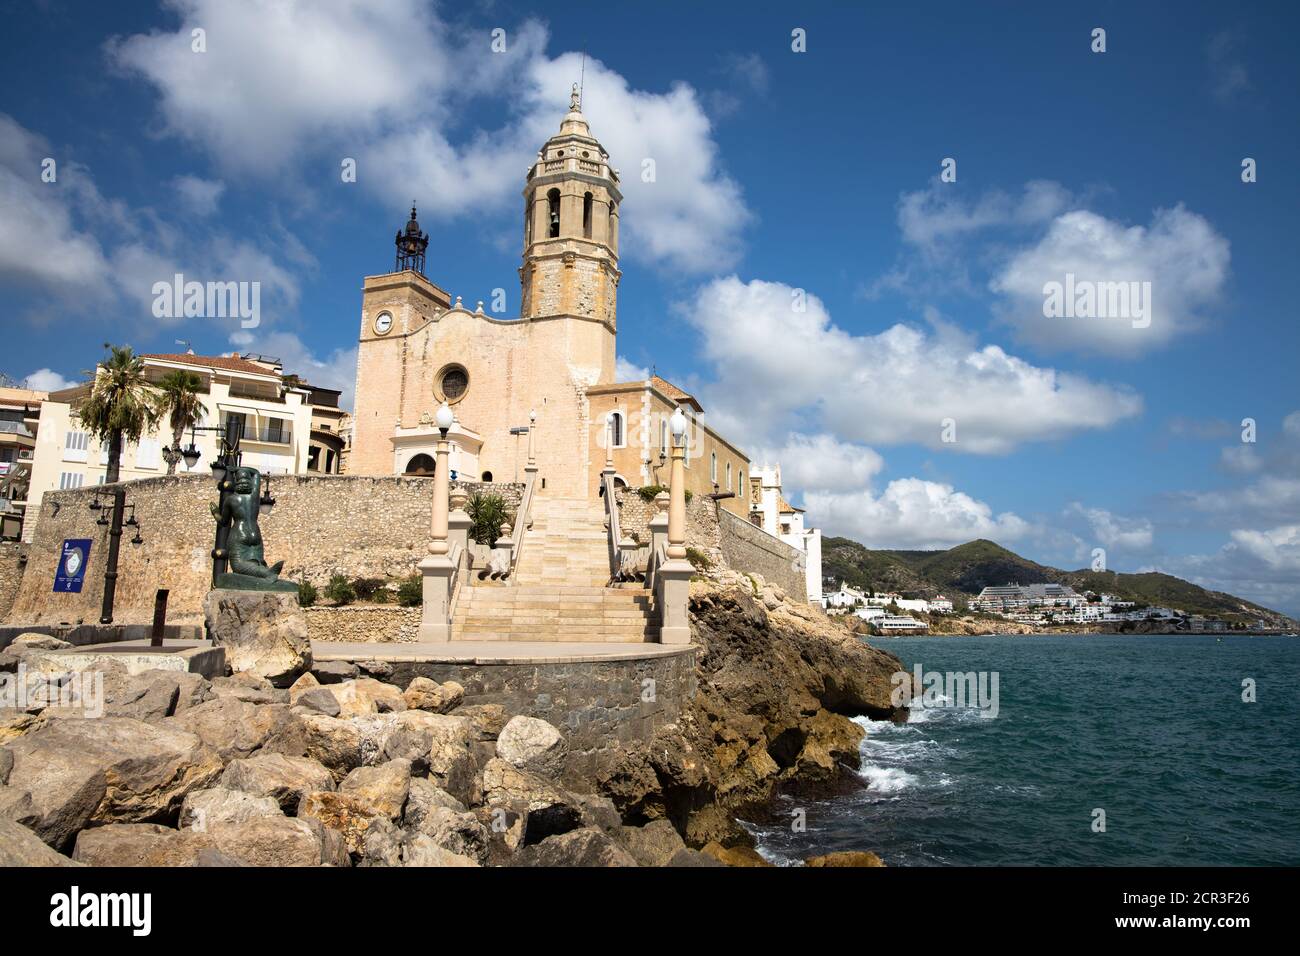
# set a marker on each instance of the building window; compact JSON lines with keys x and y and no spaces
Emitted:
{"x":553,"y":213}
{"x":75,"y":445}
{"x":586,"y":216}
{"x":421,"y":466}
{"x":729,"y":487}
{"x":616,"y":437}
{"x":528,"y":222}
{"x":663,"y":436}
{"x":453,"y":383}
{"x":487,"y":476}
{"x":713,"y":468}
{"x":70,"y":479}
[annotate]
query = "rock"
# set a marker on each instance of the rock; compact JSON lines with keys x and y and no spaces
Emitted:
{"x":204,"y":809}
{"x":532,"y":744}
{"x":506,"y":831}
{"x":734,"y":855}
{"x":303,"y":684}
{"x":689,"y":857}
{"x":600,"y":812}
{"x":319,"y":700}
{"x":382,"y":844}
{"x":260,"y":841}
{"x":424,"y":796}
{"x":284,"y":779}
{"x":384,"y":787}
{"x":653,"y":844}
{"x":547,"y":809}
{"x":264,"y":632}
{"x":352,"y":817}
{"x":149,"y":695}
{"x":425,"y":694}
{"x":15,"y":723}
{"x":336,"y":743}
{"x":6,"y":764}
{"x":365,"y":695}
{"x":584,"y":847}
{"x":250,"y":688}
{"x":460,"y":833}
{"x":9,"y":661}
{"x":486,"y":720}
{"x":19,"y":846}
{"x":232,"y":727}
{"x":439,"y":745}
{"x":423,"y":851}
{"x":109,"y":770}
{"x":379,"y":670}
{"x":16,"y":807}
{"x":845,"y":858}
{"x":334,"y":672}
{"x":31,"y":641}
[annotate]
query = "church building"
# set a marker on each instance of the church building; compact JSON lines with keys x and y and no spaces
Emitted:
{"x":551,"y":369}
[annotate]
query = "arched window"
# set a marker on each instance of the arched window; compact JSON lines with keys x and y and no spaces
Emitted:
{"x":487,"y":476}
{"x":586,"y":215}
{"x":663,"y":436}
{"x":553,"y":213}
{"x":528,"y":221}
{"x":729,"y":476}
{"x":713,"y":467}
{"x":616,"y":430}
{"x":421,"y":466}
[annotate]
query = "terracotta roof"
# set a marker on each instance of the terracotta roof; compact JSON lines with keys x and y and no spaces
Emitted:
{"x":673,"y":392}
{"x":789,"y":509}
{"x":229,"y":363}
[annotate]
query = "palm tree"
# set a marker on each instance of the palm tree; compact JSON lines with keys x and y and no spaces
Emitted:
{"x":178,"y":400}
{"x":120,"y":406}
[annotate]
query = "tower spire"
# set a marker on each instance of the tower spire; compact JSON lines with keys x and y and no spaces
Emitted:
{"x":411,"y":244}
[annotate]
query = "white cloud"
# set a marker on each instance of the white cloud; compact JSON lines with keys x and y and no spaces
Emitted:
{"x":386,"y":84}
{"x":930,"y":217}
{"x":1180,"y":254}
{"x":625,"y":371}
{"x":820,"y":461}
{"x":797,"y":370}
{"x":199,"y":195}
{"x":1228,"y":76}
{"x":912,"y":513}
{"x":336,"y":370}
{"x":1278,"y":548}
{"x":1114,"y":531}
{"x":48,"y":380}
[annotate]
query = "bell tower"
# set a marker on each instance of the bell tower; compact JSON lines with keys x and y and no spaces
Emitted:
{"x":571,"y":208}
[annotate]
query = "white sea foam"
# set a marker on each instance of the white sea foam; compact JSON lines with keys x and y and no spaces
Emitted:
{"x":886,"y":779}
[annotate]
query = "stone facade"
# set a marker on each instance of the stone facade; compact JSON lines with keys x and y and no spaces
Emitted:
{"x":364,"y":623}
{"x":13,"y":558}
{"x":597,"y":705}
{"x":321,"y":526}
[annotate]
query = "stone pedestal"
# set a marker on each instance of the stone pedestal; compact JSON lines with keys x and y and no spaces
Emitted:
{"x":673,"y":584}
{"x":261,"y":631}
{"x":435,"y":616}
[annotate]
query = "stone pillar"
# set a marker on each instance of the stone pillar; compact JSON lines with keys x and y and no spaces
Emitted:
{"x":437,"y":568}
{"x":673,"y":579}
{"x":532,"y":445}
{"x":458,"y":523}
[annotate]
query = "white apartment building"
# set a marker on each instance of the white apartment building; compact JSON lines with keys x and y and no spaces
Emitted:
{"x":900,"y":624}
{"x":845,"y":597}
{"x":769,"y":510}
{"x":19,"y":410}
{"x":283,"y":432}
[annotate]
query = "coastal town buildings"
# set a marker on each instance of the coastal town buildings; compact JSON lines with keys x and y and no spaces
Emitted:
{"x":288,"y":427}
{"x":19,"y":416}
{"x":769,"y":510}
{"x":1013,"y":597}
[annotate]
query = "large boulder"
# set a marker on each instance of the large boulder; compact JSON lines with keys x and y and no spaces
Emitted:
{"x":235,"y":728}
{"x":334,"y":672}
{"x":264,"y":632}
{"x":250,"y":688}
{"x":653,"y":844}
{"x":459,"y":833}
{"x":486,"y":720}
{"x":343,"y":745}
{"x":423,"y":797}
{"x":6,"y":764}
{"x":19,"y":846}
{"x":422,"y":850}
{"x":438,"y":744}
{"x":426,"y":694}
{"x":845,"y":858}
{"x":204,"y":809}
{"x":365,"y":695}
{"x":149,"y":695}
{"x":585,"y":847}
{"x":16,"y":806}
{"x":318,"y":700}
{"x":259,"y":841}
{"x":284,"y":779}
{"x":351,"y":817}
{"x":532,"y":744}
{"x":548,"y":810}
{"x":384,"y":787}
{"x":109,"y":770}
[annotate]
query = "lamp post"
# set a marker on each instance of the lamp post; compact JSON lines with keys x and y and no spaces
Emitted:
{"x":115,"y":524}
{"x":437,"y":568}
{"x":677,"y":489}
{"x":441,"y":484}
{"x":673,"y":577}
{"x":532,"y":447}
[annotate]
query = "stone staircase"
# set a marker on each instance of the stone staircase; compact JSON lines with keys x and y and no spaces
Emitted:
{"x":559,"y":591}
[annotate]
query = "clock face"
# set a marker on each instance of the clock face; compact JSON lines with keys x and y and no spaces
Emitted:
{"x":383,"y":323}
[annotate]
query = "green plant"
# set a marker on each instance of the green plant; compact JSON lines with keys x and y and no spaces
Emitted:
{"x":367,"y":588}
{"x":487,"y":513}
{"x":699,"y":560}
{"x":178,"y":401}
{"x":306,"y":594}
{"x":121,"y":405}
{"x":650,"y":492}
{"x":339,"y":590}
{"x":410,"y":593}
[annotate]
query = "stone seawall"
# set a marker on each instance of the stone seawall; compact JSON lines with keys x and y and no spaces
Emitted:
{"x":321,"y":525}
{"x":598,"y":705}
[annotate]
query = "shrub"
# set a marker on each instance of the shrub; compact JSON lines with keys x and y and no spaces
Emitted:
{"x":487,"y":513}
{"x":340,"y":591}
{"x":367,"y":588}
{"x":306,"y":594}
{"x":650,"y":492}
{"x":410,"y":593}
{"x":699,"y":560}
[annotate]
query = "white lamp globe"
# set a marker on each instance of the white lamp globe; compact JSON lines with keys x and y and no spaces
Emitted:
{"x":677,"y":424}
{"x":444,"y":416}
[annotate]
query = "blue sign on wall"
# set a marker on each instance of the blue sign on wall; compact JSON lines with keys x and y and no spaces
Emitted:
{"x":72,"y":565}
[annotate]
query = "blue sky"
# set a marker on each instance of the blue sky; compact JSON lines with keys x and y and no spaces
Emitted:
{"x":780,"y":176}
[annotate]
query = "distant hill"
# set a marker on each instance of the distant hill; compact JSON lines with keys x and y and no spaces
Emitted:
{"x":968,"y":568}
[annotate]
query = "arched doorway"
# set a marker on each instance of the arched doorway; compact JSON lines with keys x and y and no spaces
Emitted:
{"x":487,"y":476}
{"x":421,"y":466}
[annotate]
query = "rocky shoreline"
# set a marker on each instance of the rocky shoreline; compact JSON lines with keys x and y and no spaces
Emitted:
{"x":344,"y":769}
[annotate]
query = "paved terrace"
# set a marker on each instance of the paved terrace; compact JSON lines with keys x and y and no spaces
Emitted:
{"x":492,"y":652}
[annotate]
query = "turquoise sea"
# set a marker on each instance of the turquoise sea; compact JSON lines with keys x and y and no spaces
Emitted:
{"x":1151,"y":729}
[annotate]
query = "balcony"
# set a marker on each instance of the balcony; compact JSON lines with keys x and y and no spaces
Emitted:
{"x":14,"y":428}
{"x":272,"y":434}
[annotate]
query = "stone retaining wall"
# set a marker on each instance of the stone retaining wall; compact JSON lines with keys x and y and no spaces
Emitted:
{"x":367,"y":623}
{"x":321,"y":525}
{"x":596,"y":704}
{"x":13,"y":557}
